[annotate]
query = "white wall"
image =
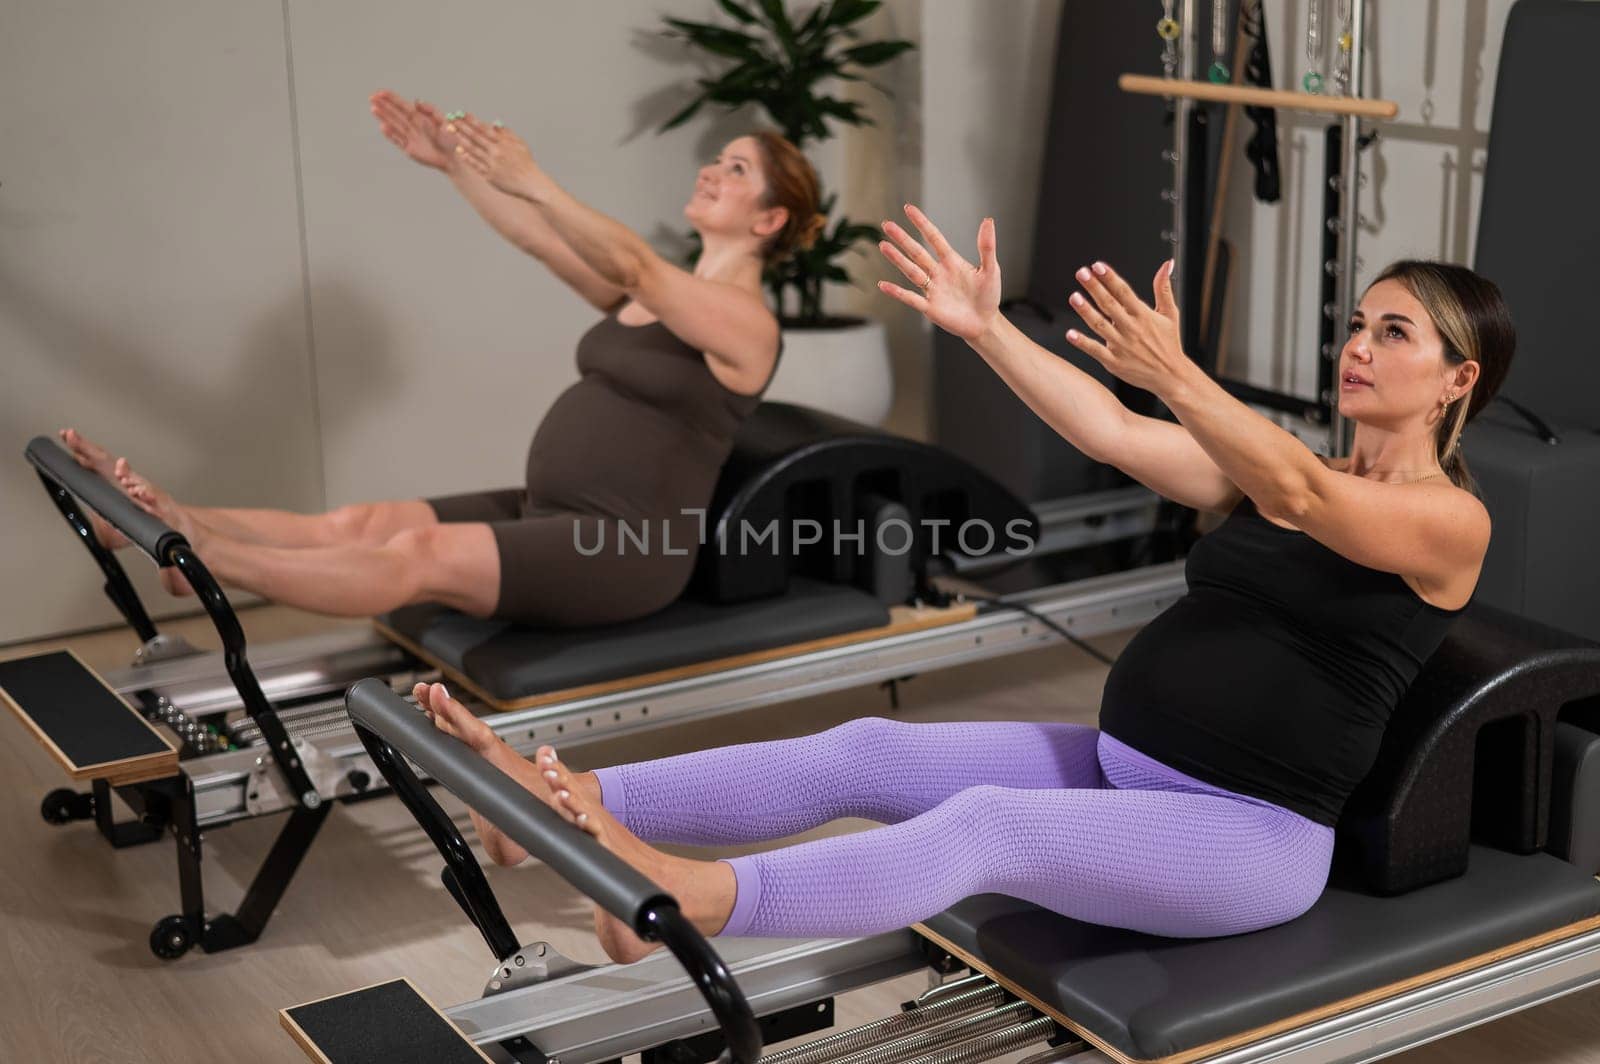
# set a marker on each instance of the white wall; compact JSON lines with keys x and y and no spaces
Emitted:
{"x":987,"y":73}
{"x":150,"y":282}
{"x":879,"y":168}
{"x":438,"y":346}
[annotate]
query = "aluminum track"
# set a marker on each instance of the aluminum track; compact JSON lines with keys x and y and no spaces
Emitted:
{"x":241,"y":783}
{"x":602,"y":1013}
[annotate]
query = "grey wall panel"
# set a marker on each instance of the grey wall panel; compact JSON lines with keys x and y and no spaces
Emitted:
{"x":150,"y":276}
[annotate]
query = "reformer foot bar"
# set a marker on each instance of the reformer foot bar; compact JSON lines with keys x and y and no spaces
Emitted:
{"x":788,"y":984}
{"x":1422,"y":933}
{"x":267,"y":732}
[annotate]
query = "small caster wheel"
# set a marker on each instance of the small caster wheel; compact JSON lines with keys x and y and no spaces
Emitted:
{"x":64,"y":805}
{"x":170,"y":938}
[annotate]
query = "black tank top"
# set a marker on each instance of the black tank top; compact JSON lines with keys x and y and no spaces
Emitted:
{"x":1275,"y":675}
{"x":643,"y":433}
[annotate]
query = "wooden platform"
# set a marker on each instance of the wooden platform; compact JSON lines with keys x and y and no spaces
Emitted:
{"x":377,"y":1024}
{"x":89,"y":730}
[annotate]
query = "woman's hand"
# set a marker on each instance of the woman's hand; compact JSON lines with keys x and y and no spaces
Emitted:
{"x":960,"y":298}
{"x":499,"y":155}
{"x":432,"y":124}
{"x":1142,"y":344}
{"x":410,"y":129}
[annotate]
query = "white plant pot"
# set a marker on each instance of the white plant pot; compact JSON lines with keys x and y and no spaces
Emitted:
{"x":841,"y":369}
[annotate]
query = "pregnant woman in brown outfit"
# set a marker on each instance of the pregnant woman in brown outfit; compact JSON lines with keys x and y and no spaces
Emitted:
{"x":605,"y":529}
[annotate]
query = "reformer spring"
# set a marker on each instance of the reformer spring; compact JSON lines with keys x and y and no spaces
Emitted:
{"x":993,"y":1044}
{"x":952,"y":1007}
{"x":959,"y":1038}
{"x":200,"y":738}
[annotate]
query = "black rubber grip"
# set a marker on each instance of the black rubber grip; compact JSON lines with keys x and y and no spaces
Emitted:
{"x":572,"y":854}
{"x":153,"y":536}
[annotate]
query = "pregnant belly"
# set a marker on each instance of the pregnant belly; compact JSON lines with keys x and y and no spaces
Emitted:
{"x":600,"y":452}
{"x":1212,"y":684}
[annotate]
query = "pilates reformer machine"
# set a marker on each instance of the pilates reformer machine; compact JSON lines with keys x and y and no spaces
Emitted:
{"x":1464,"y":890}
{"x":194,"y":741}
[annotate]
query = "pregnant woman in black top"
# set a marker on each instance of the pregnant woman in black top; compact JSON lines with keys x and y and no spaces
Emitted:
{"x":1330,"y":581}
{"x":604,"y":529}
{"x":1234,"y":726}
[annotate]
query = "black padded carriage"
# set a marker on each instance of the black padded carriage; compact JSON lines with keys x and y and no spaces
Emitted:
{"x":1146,"y":998}
{"x":789,"y":466}
{"x":510,"y":666}
{"x":1478,"y":730}
{"x":1490,"y":704}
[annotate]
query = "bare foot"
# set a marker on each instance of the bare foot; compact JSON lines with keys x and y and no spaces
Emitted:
{"x":89,"y":454}
{"x":157,"y":503}
{"x":704,"y":890}
{"x":97,"y":459}
{"x":459,"y":722}
{"x":152,"y":499}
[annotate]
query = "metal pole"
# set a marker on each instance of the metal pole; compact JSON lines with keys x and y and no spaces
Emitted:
{"x":1188,"y":44}
{"x":1349,"y":217}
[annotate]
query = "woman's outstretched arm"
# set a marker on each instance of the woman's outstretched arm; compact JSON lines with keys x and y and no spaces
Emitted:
{"x":1429,"y":531}
{"x":418,"y":129}
{"x":733,"y":327}
{"x":964,"y":300}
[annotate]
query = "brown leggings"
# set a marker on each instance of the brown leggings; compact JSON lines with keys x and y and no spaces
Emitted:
{"x":546,"y":580}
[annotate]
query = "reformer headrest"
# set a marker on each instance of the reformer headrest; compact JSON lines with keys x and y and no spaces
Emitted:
{"x":1468,"y":752}
{"x":815,"y":494}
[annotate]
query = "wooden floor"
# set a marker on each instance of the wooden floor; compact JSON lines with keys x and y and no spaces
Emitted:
{"x":78,"y":982}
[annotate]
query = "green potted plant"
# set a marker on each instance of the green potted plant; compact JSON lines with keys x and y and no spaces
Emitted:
{"x":785,"y":64}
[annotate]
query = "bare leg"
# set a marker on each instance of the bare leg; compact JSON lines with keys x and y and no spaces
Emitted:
{"x":457,"y":565}
{"x":455,"y":720}
{"x":705,"y":890}
{"x":372,"y":524}
{"x":369,"y":523}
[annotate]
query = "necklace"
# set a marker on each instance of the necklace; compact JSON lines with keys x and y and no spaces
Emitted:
{"x":1412,"y":480}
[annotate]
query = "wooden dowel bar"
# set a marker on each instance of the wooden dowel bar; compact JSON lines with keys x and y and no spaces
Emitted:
{"x":1250,"y":95}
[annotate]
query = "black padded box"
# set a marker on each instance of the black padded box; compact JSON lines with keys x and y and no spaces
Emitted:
{"x":1544,"y":501}
{"x":1469,"y":751}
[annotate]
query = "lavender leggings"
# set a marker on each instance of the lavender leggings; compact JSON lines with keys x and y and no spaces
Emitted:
{"x":1056,"y":814}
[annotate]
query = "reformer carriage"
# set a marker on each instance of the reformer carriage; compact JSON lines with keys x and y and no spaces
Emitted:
{"x":1465,"y":889}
